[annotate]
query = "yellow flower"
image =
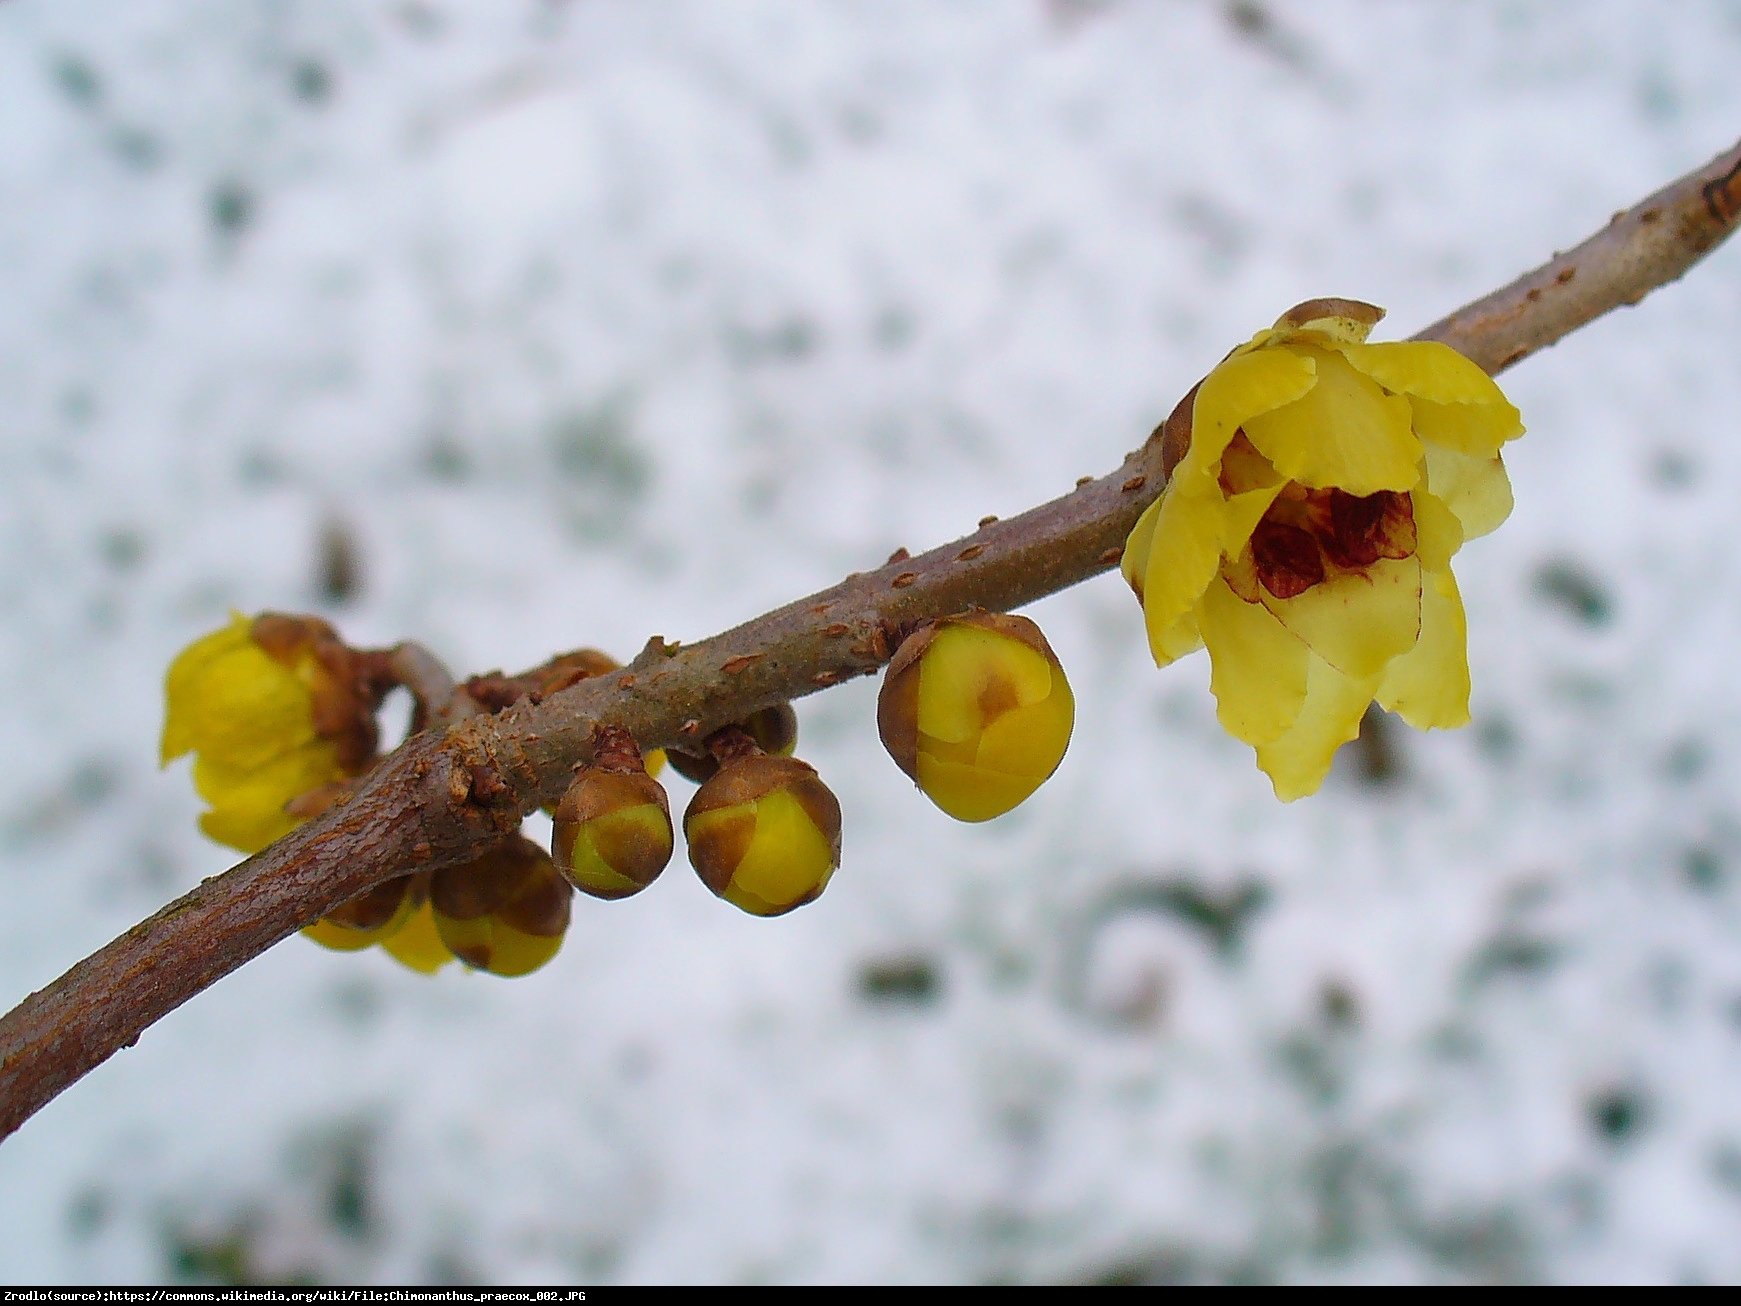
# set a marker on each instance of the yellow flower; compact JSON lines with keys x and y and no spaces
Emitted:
{"x":248,"y":701}
{"x":1318,"y":487}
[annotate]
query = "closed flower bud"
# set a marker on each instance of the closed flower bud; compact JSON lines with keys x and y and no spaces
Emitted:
{"x":417,"y":944}
{"x":774,"y":730}
{"x":504,"y":913}
{"x":976,"y":709}
{"x":613,"y":832}
{"x":369,"y":917}
{"x":764,"y":834}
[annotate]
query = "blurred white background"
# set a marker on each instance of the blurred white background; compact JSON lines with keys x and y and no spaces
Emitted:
{"x":574,"y":322}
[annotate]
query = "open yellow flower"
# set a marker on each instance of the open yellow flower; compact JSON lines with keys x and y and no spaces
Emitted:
{"x":1318,"y":486}
{"x":266,"y":721}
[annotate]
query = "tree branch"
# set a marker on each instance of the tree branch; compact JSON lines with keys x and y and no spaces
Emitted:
{"x":442,"y":797}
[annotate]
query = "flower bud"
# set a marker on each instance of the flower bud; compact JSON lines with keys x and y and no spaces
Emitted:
{"x":774,"y":730}
{"x":764,"y":834}
{"x":506,"y":912}
{"x":416,"y":945}
{"x":976,"y":709}
{"x":369,"y":917}
{"x":613,"y":832}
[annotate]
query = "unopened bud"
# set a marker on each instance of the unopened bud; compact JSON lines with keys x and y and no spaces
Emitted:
{"x":504,"y":913}
{"x":369,"y":917}
{"x":977,"y":710}
{"x":613,"y":832}
{"x":764,"y":834}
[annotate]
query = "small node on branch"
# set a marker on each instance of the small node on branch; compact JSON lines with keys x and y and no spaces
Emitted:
{"x":773,"y":730}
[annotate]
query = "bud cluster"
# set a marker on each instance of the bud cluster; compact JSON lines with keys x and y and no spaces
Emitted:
{"x":975,"y":708}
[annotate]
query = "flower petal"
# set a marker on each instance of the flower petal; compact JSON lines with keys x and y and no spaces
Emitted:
{"x":1438,"y":533}
{"x":1237,"y":390}
{"x":1257,"y":669}
{"x":270,"y":784}
{"x":1477,"y":429}
{"x":1298,"y":760}
{"x":1357,"y":621}
{"x":1184,"y":554}
{"x":182,"y":684}
{"x":417,"y":945}
{"x":1344,"y":432}
{"x":963,"y":668}
{"x":1428,"y":370}
{"x":1240,"y":515}
{"x":1429,"y":685}
{"x":1176,"y":641}
{"x":1133,"y":563}
{"x":246,"y":829}
{"x":1477,"y":490}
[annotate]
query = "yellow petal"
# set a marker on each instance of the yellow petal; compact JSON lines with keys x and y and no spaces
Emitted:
{"x":788,"y":859}
{"x":246,"y":829}
{"x":1477,"y":490}
{"x":1298,"y":761}
{"x":248,"y":803}
{"x":970,"y":793}
{"x":1477,"y":429}
{"x":1429,"y":685}
{"x":490,"y":944}
{"x":1357,"y":621}
{"x":1237,"y":390}
{"x":271,"y":784}
{"x":1185,"y":552}
{"x":1344,"y":432}
{"x":417,"y":945}
{"x":1133,"y":564}
{"x":1177,"y":640}
{"x":242,"y":709}
{"x":337,"y":938}
{"x":181,"y":683}
{"x":1427,"y":369}
{"x":1438,"y":533}
{"x":1257,"y":669}
{"x":1030,"y":740}
{"x":963,"y":667}
{"x":1240,"y":515}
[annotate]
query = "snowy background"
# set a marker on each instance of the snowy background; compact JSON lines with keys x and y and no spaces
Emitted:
{"x":508,"y":325}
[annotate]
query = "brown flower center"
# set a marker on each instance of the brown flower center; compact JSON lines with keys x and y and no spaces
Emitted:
{"x":1310,"y":535}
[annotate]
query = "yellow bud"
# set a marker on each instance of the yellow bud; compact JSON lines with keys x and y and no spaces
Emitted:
{"x":613,"y":832}
{"x":764,"y":834}
{"x":976,"y":709}
{"x":504,"y":913}
{"x":371,"y":917}
{"x":417,"y":945}
{"x":773,"y":729}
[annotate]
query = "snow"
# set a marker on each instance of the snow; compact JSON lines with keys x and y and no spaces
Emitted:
{"x":586,"y":321}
